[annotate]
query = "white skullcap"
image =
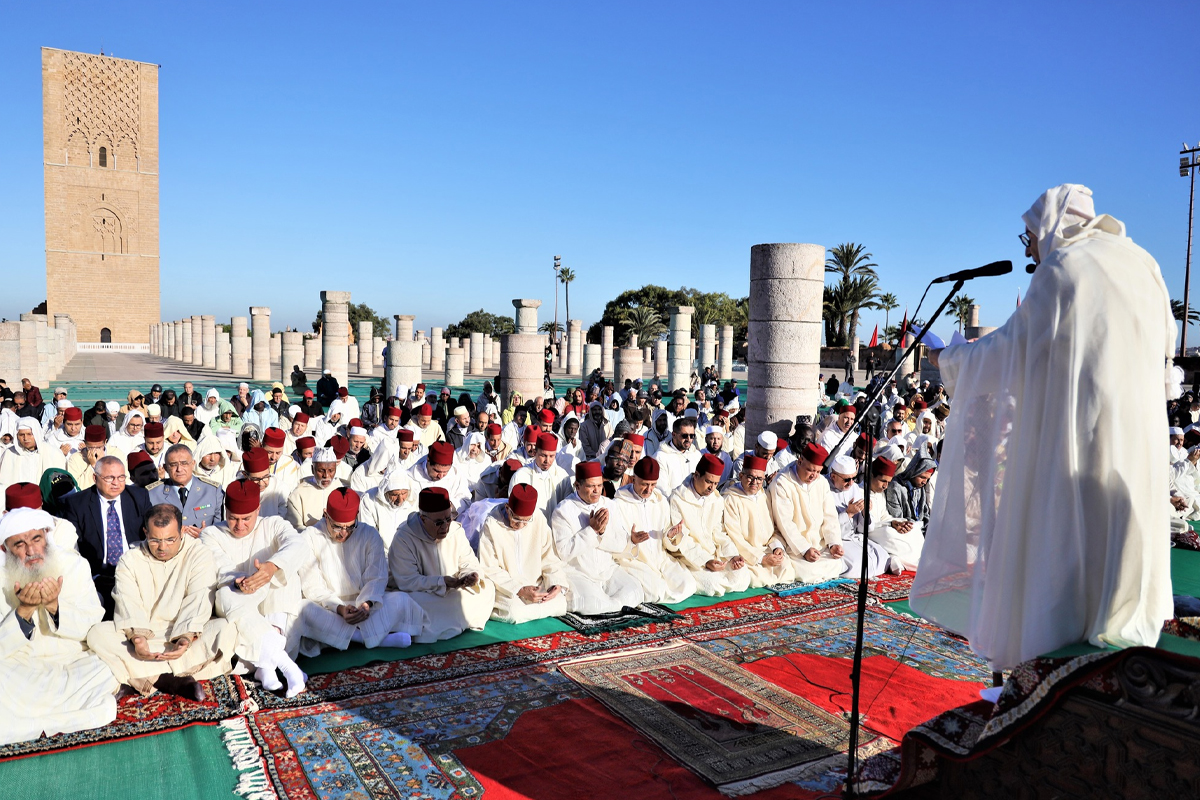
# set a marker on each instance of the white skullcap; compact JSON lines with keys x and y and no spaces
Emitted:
{"x":711,"y":429}
{"x":768,"y":440}
{"x":324,"y":455}
{"x":491,"y":409}
{"x":243,"y":385}
{"x":29,"y":423}
{"x":396,"y":480}
{"x":293,"y":410}
{"x":844,"y":465}
{"x":154,"y":409}
{"x":732,"y":406}
{"x":20,"y":520}
{"x":326,"y":372}
{"x":357,"y":431}
{"x":1175,"y":431}
{"x":112,"y":406}
{"x":64,"y":404}
{"x":213,"y":393}
{"x":691,"y":413}
{"x":459,"y":410}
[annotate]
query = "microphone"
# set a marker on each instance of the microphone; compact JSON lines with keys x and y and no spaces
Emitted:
{"x":1030,"y":268}
{"x":986,"y":271}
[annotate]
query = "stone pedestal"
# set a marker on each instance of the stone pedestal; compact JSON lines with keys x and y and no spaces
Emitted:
{"x":377,"y":345}
{"x":239,"y":347}
{"x":223,"y":357}
{"x":276,"y":348}
{"x":186,"y":355}
{"x":312,"y":356}
{"x":366,"y":349}
{"x":496,"y":350}
{"x":786,"y":283}
{"x":292,"y":355}
{"x":34,"y":360}
{"x":403,"y":357}
{"x":260,"y":344}
{"x":196,"y":356}
{"x":454,"y":367}
{"x":10,"y":353}
{"x":973,"y":317}
{"x":574,"y":346}
{"x":208,"y":344}
{"x":437,"y":350}
{"x":660,"y":359}
{"x":487,"y":354}
{"x":522,"y":359}
{"x":725,"y":353}
{"x":560,"y":359}
{"x":629,"y":365}
{"x":606,"y":351}
{"x":183,"y":344}
{"x":351,"y":358}
{"x":475,"y":358}
{"x":648,"y":357}
{"x":426,"y":351}
{"x":526,"y":316}
{"x":707,"y":348}
{"x":591,"y":359}
{"x":679,"y":348}
{"x":335,"y":334}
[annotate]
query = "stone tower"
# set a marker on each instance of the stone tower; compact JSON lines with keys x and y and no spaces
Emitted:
{"x":100,"y":155}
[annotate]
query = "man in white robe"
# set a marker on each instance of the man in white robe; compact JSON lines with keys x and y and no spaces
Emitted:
{"x":848,"y":502}
{"x":704,"y":549}
{"x":274,"y":490}
{"x":384,"y":434}
{"x":749,"y":525}
{"x":714,"y":442}
{"x":345,"y":585}
{"x":386,"y":507}
{"x":306,"y":503}
{"x":642,"y":523}
{"x":28,"y":456}
{"x":677,"y":458}
{"x":282,"y":465}
{"x":258,"y":585}
{"x":69,"y":437}
{"x":28,"y":495}
{"x":900,"y":537}
{"x":425,"y":430}
{"x":517,"y":553}
{"x":163,"y":635}
{"x":843,"y":422}
{"x":432,"y":561}
{"x":1175,"y":445}
{"x":1080,"y":526}
{"x":587,"y":540}
{"x":806,"y":520}
{"x":553,"y":483}
{"x":437,"y":469}
{"x":52,"y":684}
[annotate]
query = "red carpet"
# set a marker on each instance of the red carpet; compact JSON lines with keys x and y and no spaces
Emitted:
{"x":609,"y":760}
{"x":892,"y":702}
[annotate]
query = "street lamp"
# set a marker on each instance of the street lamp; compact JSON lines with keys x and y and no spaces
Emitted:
{"x":1188,"y":162}
{"x":557,"y":269}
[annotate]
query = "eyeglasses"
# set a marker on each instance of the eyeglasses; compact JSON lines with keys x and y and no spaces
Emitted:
{"x":440,"y":521}
{"x":111,"y":478}
{"x":263,"y":481}
{"x":335,"y":528}
{"x":162,"y":542}
{"x":687,"y":436}
{"x":753,"y":479}
{"x":1024,"y":237}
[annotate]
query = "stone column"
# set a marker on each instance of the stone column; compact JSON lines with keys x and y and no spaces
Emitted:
{"x":437,"y":350}
{"x":679,"y":348}
{"x":522,"y":364}
{"x":561,"y":355}
{"x":475,"y":359}
{"x":591,"y":359}
{"x":454,"y":367}
{"x":606,"y":351}
{"x":276,"y":347}
{"x":260,"y":344}
{"x":239,"y":347}
{"x":67,"y":325}
{"x":725,"y":353}
{"x":708,"y":347}
{"x":403,"y":357}
{"x":465,"y":344}
{"x":496,"y":350}
{"x":335,"y":334}
{"x":660,"y":359}
{"x":291,"y":355}
{"x":453,"y":341}
{"x":186,"y":355}
{"x":574,"y":346}
{"x":197,"y":352}
{"x":859,"y":366}
{"x":648,"y":356}
{"x":10,"y":353}
{"x":973,"y":317}
{"x":786,"y":283}
{"x":34,"y":360}
{"x":208,"y":342}
{"x":312,"y":355}
{"x":487,"y":354}
{"x":223,"y":357}
{"x":180,"y":346}
{"x":426,"y":353}
{"x":377,"y":345}
{"x":172,"y":342}
{"x":629,"y":365}
{"x":351,"y":359}
{"x":366,"y":348}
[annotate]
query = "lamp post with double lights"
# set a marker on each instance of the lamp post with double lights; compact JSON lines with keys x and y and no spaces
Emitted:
{"x":554,"y":333}
{"x":1189,"y":161}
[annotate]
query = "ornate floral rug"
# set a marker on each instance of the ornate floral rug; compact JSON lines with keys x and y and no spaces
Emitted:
{"x":142,"y":716}
{"x":627,"y":617}
{"x":885,"y":588}
{"x":739,"y":732}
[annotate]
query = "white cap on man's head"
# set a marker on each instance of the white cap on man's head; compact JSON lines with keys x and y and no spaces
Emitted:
{"x":769,"y":440}
{"x":844,"y":465}
{"x":324,"y":455}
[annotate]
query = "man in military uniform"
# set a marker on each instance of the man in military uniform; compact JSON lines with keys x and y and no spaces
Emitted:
{"x":198,"y":498}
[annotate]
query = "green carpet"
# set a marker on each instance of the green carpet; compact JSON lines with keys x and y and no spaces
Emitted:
{"x":191,"y":764}
{"x":1185,"y":572}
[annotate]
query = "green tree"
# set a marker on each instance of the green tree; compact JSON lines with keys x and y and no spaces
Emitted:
{"x":550,"y":327}
{"x":480,"y":322}
{"x":960,"y":309}
{"x":359,"y":312}
{"x":887,"y":302}
{"x":856,"y":288}
{"x":643,"y":322}
{"x":1177,"y":312}
{"x":716,"y":308}
{"x":566,"y":275}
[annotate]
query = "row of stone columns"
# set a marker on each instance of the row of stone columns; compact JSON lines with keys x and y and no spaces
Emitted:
{"x":36,"y":347}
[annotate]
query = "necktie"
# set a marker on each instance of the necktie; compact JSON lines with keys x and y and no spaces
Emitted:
{"x":113,"y":536}
{"x":183,"y":496}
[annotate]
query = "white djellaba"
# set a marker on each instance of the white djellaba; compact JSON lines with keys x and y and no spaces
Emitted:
{"x":1049,"y":525}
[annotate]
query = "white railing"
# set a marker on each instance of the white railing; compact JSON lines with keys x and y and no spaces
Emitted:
{"x":112,"y":347}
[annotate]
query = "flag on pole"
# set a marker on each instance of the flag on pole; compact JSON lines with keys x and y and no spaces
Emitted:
{"x":1018,"y":297}
{"x":904,"y":326}
{"x":875,"y":337}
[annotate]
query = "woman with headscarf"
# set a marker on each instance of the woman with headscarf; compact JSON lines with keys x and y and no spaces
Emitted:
{"x":514,"y":401}
{"x":55,"y":485}
{"x":130,"y":436}
{"x":472,"y":461}
{"x":213,"y":463}
{"x":259,"y":412}
{"x":387,"y":505}
{"x":210,"y":408}
{"x":370,"y":473}
{"x":908,"y":494}
{"x":227,"y":419}
{"x":249,"y":437}
{"x":175,"y":431}
{"x":1049,"y":522}
{"x":135,"y":401}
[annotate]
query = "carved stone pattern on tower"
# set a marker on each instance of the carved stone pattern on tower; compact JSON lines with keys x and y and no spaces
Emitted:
{"x":103,"y":221}
{"x":102,"y":105}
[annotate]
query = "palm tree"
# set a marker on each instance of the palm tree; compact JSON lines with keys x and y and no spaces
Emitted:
{"x":850,"y":259}
{"x":851,"y":262}
{"x":643,"y":322}
{"x":960,"y":309}
{"x":550,"y":327}
{"x":860,"y":292}
{"x":886,"y":302}
{"x":566,"y":275}
{"x":1177,"y":312}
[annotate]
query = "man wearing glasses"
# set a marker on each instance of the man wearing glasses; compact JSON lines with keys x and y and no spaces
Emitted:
{"x":516,"y":550}
{"x":108,"y":518}
{"x":848,"y":500}
{"x":677,"y":458}
{"x":433,"y":562}
{"x":749,"y":526}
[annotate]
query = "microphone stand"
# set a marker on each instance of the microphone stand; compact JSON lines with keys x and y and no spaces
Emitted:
{"x":868,"y":423}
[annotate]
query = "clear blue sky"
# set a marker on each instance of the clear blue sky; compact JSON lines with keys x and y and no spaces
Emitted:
{"x":433,"y":158}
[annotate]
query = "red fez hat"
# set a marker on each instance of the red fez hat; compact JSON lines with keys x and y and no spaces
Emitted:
{"x":355,"y":422}
{"x":636,"y":438}
{"x":301,"y":417}
{"x":22,"y":495}
{"x":392,"y":411}
{"x":494,"y":430}
{"x":513,"y":464}
{"x":548,"y":442}
{"x":723,"y":414}
{"x":273,"y":437}
{"x":138,"y":457}
{"x":884,"y":466}
{"x":241,"y":497}
{"x":342,"y":505}
{"x":420,"y":386}
{"x":441,"y":453}
{"x":94,"y":434}
{"x":406,"y":435}
{"x":646,"y":469}
{"x":546,"y":416}
{"x":1191,"y":438}
{"x":522,"y":499}
{"x":256,"y":460}
{"x":752,"y":461}
{"x":433,"y":500}
{"x":531,"y":434}
{"x":919,"y":404}
{"x":305,"y":442}
{"x":588,"y":469}
{"x":153,"y":430}
{"x":343,"y":391}
{"x":425,"y":410}
{"x":73,"y":414}
{"x":711,"y":464}
{"x":340,"y":445}
{"x":814,"y":454}
{"x":848,"y":408}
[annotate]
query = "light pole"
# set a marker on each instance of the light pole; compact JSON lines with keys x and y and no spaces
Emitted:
{"x":554,"y":334}
{"x":1188,"y":162}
